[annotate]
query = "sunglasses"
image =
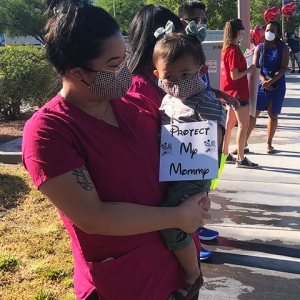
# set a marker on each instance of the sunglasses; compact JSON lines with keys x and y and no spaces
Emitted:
{"x":197,"y":20}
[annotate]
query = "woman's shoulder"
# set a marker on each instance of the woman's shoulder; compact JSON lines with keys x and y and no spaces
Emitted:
{"x":283,"y":45}
{"x":142,"y":84}
{"x":233,"y":49}
{"x":141,"y":101}
{"x":49,"y":117}
{"x":43,"y":111}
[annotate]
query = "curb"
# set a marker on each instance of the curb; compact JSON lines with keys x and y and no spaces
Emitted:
{"x":10,"y":157}
{"x":11,"y":152}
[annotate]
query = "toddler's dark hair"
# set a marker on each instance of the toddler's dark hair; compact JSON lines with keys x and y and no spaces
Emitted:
{"x":176,"y":45}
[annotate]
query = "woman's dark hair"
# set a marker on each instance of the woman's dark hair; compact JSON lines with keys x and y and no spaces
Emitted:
{"x":141,"y":36}
{"x":188,"y":7}
{"x":177,"y":45}
{"x":232,"y":27}
{"x":76,"y":33}
{"x":277,"y":39}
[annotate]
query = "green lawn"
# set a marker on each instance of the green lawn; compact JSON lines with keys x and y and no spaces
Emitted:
{"x":35,"y":256}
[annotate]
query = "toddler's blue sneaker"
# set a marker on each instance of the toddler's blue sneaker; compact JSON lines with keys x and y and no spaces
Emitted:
{"x":205,"y":254}
{"x":207,"y":234}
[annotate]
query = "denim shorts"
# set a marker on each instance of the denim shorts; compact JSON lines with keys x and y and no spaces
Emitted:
{"x":244,"y":103}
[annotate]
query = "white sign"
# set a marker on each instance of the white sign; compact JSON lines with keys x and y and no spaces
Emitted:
{"x":253,"y":79}
{"x":189,"y":151}
{"x":212,"y":65}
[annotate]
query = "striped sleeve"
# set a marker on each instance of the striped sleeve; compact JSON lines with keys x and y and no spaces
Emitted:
{"x":209,"y":107}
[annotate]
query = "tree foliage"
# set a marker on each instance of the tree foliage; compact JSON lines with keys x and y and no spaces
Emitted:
{"x":23,"y":18}
{"x":170,"y":4}
{"x":122,"y":10}
{"x":220,"y":11}
{"x":26,"y":77}
{"x":26,"y":17}
{"x":258,"y":7}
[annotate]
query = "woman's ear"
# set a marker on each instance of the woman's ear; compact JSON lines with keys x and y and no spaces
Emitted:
{"x":76,"y":73}
{"x":183,"y":22}
{"x":155,"y":72}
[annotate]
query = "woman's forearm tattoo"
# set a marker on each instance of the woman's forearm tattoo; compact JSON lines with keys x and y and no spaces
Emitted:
{"x":83,"y":179}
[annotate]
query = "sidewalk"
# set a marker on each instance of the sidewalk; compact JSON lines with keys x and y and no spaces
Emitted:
{"x":257,"y":213}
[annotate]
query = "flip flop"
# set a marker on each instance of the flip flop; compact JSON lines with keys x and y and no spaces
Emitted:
{"x":191,"y":289}
{"x":246,"y":150}
{"x":271,"y":150}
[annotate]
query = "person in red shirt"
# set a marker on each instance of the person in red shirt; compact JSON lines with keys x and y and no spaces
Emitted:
{"x":233,"y":81}
{"x":93,"y":152}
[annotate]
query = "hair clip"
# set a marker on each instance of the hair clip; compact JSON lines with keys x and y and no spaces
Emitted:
{"x":199,"y":33}
{"x":169,"y":28}
{"x":74,"y":6}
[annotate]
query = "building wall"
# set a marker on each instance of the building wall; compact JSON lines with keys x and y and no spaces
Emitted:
{"x":19,"y":40}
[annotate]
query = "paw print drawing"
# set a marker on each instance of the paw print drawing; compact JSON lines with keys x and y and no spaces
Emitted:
{"x":166,"y":149}
{"x":210,"y":146}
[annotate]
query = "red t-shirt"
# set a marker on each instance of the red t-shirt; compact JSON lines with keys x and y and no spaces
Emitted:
{"x":143,"y":85}
{"x":234,"y":59}
{"x":124,"y":165}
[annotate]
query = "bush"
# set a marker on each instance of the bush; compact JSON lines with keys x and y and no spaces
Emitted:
{"x":8,"y":262}
{"x":26,"y":78}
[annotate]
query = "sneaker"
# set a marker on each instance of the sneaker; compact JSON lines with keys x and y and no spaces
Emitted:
{"x":246,"y":150}
{"x":204,"y":254}
{"x":207,"y":234}
{"x":293,"y":71}
{"x":230,"y":159}
{"x":245,"y":163}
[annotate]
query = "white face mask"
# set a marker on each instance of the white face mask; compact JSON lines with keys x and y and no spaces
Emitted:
{"x":269,"y":36}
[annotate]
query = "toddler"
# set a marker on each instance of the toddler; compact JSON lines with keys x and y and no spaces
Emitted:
{"x":180,"y":64}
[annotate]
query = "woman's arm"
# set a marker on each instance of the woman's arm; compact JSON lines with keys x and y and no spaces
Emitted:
{"x":256,"y":62}
{"x":228,"y":98}
{"x":256,"y":57}
{"x":267,"y":84}
{"x":283,"y":66}
{"x":235,"y":74}
{"x":74,"y":194}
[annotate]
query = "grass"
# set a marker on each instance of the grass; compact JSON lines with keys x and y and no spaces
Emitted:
{"x":35,"y":256}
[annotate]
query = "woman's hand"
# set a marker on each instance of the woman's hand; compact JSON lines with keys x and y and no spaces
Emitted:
{"x":233,"y":102}
{"x":191,"y":213}
{"x":251,"y":69}
{"x":248,"y":53}
{"x":267,"y":85}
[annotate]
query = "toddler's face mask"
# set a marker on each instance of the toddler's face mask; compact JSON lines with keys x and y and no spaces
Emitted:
{"x":184,"y":88}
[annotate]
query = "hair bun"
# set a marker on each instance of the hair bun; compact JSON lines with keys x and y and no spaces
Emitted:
{"x":51,"y":4}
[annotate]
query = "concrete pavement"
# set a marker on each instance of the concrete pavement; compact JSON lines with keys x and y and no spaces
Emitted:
{"x":257,"y":212}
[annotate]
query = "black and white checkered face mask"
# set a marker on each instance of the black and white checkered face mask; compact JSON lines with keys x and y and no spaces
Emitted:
{"x":112,"y":84}
{"x":184,"y":88}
